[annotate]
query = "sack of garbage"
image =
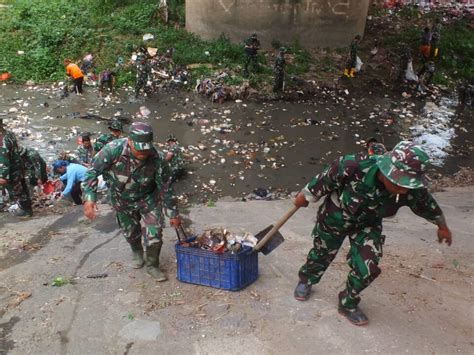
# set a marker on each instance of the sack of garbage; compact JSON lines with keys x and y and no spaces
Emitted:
{"x":358,"y":64}
{"x":410,"y":73}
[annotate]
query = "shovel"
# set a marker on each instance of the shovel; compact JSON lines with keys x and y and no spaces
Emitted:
{"x":270,"y":238}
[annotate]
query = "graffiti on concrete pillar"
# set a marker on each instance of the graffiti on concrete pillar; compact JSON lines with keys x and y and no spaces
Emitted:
{"x":317,"y":7}
{"x":227,"y":5}
{"x":340,"y":8}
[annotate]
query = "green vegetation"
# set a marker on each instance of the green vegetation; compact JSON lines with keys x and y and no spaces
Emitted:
{"x":35,"y":37}
{"x":47,"y":31}
{"x":456,"y":60}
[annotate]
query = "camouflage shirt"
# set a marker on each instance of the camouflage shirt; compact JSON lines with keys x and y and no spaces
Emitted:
{"x":102,"y":141}
{"x":280,"y":63}
{"x":177,"y":161}
{"x":353,"y":50}
{"x":134,"y":184}
{"x":351,"y":183}
{"x":84,"y":155}
{"x":10,"y":159}
{"x":35,"y":164}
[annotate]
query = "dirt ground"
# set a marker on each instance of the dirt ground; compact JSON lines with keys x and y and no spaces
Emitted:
{"x":421,"y":303}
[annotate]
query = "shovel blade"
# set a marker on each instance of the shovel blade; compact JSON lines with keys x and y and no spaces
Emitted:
{"x":273,"y":243}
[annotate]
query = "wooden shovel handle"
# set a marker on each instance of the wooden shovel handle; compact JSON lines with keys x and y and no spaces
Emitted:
{"x":276,"y":227}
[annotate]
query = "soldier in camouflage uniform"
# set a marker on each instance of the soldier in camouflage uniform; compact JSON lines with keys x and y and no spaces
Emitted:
{"x":12,"y":172}
{"x":174,"y":157}
{"x":279,"y":70}
{"x":360,"y":191}
{"x":252,"y":45}
{"x":137,"y":178}
{"x":85,"y":151}
{"x":350,"y":69}
{"x":35,"y":166}
{"x":143,"y":73}
{"x":116,"y":130}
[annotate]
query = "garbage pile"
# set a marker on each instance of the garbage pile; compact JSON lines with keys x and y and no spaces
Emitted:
{"x":218,"y":92}
{"x":220,"y":241}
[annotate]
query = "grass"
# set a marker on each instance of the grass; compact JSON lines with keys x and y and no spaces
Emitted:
{"x":47,"y":31}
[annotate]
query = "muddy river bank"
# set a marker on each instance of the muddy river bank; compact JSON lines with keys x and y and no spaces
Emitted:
{"x":237,"y":147}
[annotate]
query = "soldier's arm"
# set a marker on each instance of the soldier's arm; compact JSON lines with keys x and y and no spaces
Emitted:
{"x":162,"y":177}
{"x":4,"y":164}
{"x":4,"y":157}
{"x":329,"y":180}
{"x":100,"y":163}
{"x":36,"y":160}
{"x":423,"y":204}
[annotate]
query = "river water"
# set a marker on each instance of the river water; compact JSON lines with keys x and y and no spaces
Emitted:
{"x":236,"y":147}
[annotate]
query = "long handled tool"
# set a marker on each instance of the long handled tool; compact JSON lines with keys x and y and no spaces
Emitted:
{"x":270,"y":238}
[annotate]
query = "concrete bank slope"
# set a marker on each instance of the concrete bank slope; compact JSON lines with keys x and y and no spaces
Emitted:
{"x":421,"y":304}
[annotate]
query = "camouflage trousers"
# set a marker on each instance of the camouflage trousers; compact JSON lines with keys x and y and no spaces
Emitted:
{"x":278,"y":81}
{"x":252,"y":62}
{"x":365,"y":252}
{"x":18,"y":190}
{"x":142,"y":83}
{"x":137,"y":220}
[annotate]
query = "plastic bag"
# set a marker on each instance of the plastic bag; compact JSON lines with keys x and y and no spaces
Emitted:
{"x":358,"y":64}
{"x":410,"y":73}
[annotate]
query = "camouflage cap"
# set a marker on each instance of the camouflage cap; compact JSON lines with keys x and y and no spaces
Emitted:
{"x":377,"y":149}
{"x":141,"y":134}
{"x":117,"y":125}
{"x":405,"y":165}
{"x":171,"y":138}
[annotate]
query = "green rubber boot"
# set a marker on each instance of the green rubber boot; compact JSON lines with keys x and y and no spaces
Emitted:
{"x":153,"y":262}
{"x":137,"y":250}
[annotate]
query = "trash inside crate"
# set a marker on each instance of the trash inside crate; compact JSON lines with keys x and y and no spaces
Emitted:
{"x":228,"y":271}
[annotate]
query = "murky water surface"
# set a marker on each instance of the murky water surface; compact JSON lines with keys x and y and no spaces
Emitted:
{"x":237,"y":147}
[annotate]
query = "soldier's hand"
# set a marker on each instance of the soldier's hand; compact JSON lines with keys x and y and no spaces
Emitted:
{"x":90,"y":209}
{"x":444,"y":234}
{"x":3,"y":182}
{"x":175,"y":222}
{"x":300,"y":200}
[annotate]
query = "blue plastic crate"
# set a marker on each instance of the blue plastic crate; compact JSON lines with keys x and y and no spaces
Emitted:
{"x":225,"y":271}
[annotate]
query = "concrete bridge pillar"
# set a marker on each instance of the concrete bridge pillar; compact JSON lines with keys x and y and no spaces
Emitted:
{"x":314,"y":23}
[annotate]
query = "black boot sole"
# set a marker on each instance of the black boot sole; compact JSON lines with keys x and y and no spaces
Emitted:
{"x":344,"y":313}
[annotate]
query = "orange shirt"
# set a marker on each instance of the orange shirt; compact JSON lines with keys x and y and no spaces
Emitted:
{"x":74,"y":71}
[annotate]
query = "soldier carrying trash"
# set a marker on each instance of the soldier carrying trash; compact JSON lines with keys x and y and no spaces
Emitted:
{"x":12,"y":173}
{"x":279,"y":70}
{"x":360,"y":190}
{"x":252,"y":45}
{"x":137,"y":178}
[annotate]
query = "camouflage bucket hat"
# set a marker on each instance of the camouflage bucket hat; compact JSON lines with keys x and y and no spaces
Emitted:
{"x":405,"y":165}
{"x":141,"y":135}
{"x":117,"y":125}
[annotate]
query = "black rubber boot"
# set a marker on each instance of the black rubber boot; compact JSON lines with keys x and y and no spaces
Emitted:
{"x":302,"y":291}
{"x":355,"y":315}
{"x":20,"y":212}
{"x":153,"y":262}
{"x":137,"y":250}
